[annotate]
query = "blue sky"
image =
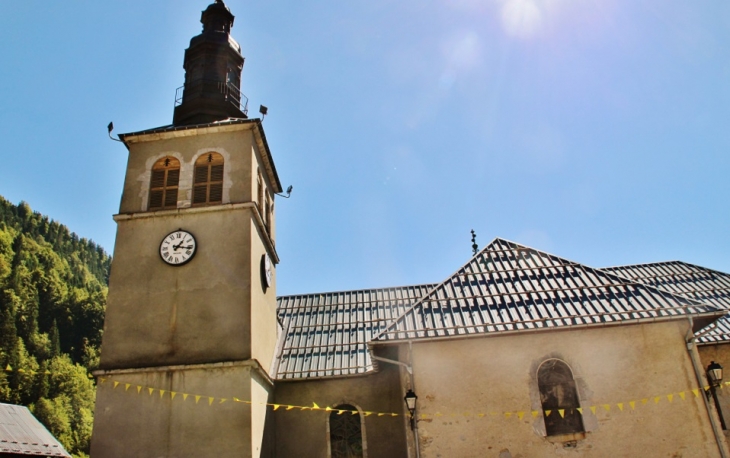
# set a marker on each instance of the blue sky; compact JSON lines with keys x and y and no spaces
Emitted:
{"x":596,"y":130}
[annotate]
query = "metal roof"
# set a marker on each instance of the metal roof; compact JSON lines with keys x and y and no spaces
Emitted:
{"x":22,"y":434}
{"x":510,"y":287}
{"x":326,"y":334}
{"x":506,"y":287}
{"x":688,"y":280}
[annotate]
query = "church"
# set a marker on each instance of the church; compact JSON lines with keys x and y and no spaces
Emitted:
{"x":519,"y":353}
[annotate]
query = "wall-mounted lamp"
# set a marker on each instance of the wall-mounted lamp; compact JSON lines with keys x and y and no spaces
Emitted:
{"x":714,"y":373}
{"x":714,"y":376}
{"x":288,"y":192}
{"x":109,"y":129}
{"x":411,"y":399}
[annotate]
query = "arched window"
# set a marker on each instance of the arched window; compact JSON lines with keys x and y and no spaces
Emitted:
{"x":208,"y":179}
{"x":559,"y":398}
{"x":163,"y":184}
{"x":345,"y":432}
{"x":260,"y":190}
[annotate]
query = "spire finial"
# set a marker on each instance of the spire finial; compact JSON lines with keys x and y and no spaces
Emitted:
{"x":474,"y":245}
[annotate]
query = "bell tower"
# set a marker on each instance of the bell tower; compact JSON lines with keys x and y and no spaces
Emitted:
{"x":191,"y":310}
{"x":213,"y":65}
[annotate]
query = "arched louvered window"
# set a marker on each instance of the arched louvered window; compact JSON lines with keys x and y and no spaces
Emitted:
{"x":260,"y":190}
{"x":559,"y":398}
{"x":208,"y":179}
{"x":345,"y":432}
{"x":267,"y":214}
{"x":164,"y":183}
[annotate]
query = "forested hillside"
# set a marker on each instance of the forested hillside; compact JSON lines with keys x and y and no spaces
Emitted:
{"x":53,"y":288}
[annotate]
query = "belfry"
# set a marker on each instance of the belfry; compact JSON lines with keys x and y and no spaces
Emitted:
{"x":192,"y":296}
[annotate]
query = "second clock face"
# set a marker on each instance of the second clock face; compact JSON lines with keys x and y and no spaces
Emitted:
{"x":178,"y":247}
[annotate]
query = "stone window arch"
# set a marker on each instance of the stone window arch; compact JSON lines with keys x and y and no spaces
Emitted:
{"x":346,"y":432}
{"x":208,"y":179}
{"x":164,"y":183}
{"x":559,"y":398}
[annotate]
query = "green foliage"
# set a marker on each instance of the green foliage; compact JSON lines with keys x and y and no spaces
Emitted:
{"x":52,"y":299}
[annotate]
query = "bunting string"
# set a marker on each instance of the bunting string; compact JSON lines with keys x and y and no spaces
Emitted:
{"x":676,"y":398}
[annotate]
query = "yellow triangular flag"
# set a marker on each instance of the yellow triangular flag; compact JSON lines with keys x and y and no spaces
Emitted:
{"x":365,"y":414}
{"x":620,"y":406}
{"x":102,"y":379}
{"x":593,"y":409}
{"x":645,"y":401}
{"x":185,"y":396}
{"x":696,"y":392}
{"x":579,"y":409}
{"x":681,"y":395}
{"x":340,"y":412}
{"x":21,"y":371}
{"x":116,"y":384}
{"x":607,"y":407}
{"x":657,"y":399}
{"x":173,"y":394}
{"x":481,"y":415}
{"x":381,"y":414}
{"x":439,"y":414}
{"x":670,"y":397}
{"x":162,"y":392}
{"x":520,"y":415}
{"x":507,"y":414}
{"x":394,"y":415}
{"x":315,"y":406}
{"x":289,"y":407}
{"x":126,"y":386}
{"x":727,"y":383}
{"x":547,"y":413}
{"x":632,"y":404}
{"x":223,"y":400}
{"x":535,"y":413}
{"x":150,"y":390}
{"x":139,"y":389}
{"x":707,"y":387}
{"x":8,"y":368}
{"x":197,"y":398}
{"x":210,"y":401}
{"x":562,"y":413}
{"x":328,"y":409}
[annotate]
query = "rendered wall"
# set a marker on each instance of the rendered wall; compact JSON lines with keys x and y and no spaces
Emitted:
{"x":141,"y":425}
{"x":199,"y":312}
{"x":236,"y":147}
{"x":305,"y":433}
{"x":611,"y":365}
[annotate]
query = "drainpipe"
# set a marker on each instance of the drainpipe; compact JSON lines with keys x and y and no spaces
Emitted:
{"x":691,"y":349}
{"x":409,"y":369}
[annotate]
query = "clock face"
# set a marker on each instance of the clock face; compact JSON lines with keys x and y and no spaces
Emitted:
{"x":266,"y":271}
{"x":178,"y":247}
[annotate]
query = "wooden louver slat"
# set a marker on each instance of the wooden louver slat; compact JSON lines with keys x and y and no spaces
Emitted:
{"x":164,"y":182}
{"x":208,"y":179}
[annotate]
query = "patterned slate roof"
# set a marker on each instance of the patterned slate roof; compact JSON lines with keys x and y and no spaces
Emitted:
{"x":510,"y":287}
{"x":688,"y":280}
{"x":22,"y":434}
{"x":506,"y":287}
{"x":326,"y":334}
